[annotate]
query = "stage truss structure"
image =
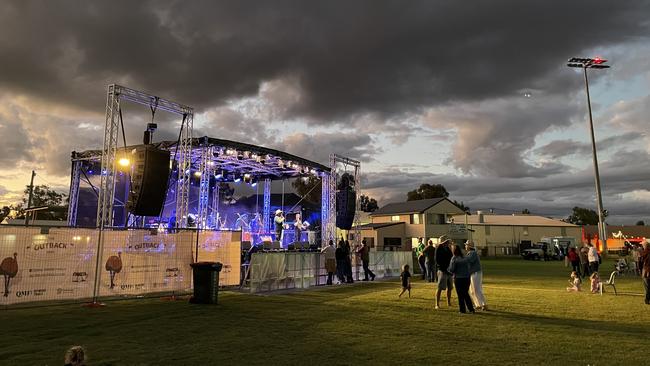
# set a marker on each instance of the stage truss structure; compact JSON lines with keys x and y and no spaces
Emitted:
{"x":329,"y":191}
{"x":116,"y":94}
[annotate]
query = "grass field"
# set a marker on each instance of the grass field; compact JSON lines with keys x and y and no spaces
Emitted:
{"x":532,"y":321}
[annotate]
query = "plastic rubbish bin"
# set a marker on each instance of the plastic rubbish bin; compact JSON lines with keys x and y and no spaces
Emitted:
{"x":206,"y":282}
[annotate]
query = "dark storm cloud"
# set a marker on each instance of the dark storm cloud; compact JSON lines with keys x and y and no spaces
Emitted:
{"x":562,"y":148}
{"x":553,"y":195}
{"x":349,"y":57}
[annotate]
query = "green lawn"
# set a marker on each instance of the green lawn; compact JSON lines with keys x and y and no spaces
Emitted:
{"x":532,"y":321}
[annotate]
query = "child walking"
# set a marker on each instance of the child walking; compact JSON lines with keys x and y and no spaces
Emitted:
{"x":595,"y":283}
{"x":406,"y":280}
{"x":575,"y":282}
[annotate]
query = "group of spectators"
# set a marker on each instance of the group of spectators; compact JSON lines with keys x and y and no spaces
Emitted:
{"x":339,"y":260}
{"x":586,"y":261}
{"x":447,"y":265}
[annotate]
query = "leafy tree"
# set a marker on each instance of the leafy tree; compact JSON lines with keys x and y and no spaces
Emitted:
{"x":43,"y":196}
{"x":427,"y":191}
{"x":368,"y":204}
{"x":640,"y":223}
{"x":462,"y":206}
{"x":310,"y":188}
{"x":6,"y":210}
{"x":584,"y":216}
{"x":525,"y":211}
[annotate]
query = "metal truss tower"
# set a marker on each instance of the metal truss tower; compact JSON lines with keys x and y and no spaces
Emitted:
{"x":106,"y":199}
{"x":73,"y":197}
{"x":266,"y":219}
{"x":206,"y":168}
{"x":333,"y":179}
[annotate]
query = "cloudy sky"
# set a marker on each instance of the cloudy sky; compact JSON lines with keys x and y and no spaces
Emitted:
{"x":472,"y":95}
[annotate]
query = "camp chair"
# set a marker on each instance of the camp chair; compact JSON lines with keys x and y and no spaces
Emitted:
{"x":609,"y":282}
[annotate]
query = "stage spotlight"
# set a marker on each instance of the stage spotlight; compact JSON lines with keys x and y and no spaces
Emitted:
{"x":197,"y":174}
{"x":218,"y":175}
{"x":254,"y":184}
{"x":237,"y":180}
{"x":124,"y":162}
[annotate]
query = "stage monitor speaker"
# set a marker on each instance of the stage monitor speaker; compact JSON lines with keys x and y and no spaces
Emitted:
{"x":149,"y":178}
{"x":346,"y":204}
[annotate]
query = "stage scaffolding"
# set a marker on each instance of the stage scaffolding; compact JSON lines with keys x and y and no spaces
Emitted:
{"x":106,"y":199}
{"x":211,"y":162}
{"x":329,"y":196}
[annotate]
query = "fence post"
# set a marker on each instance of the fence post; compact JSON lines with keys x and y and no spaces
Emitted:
{"x":98,"y":255}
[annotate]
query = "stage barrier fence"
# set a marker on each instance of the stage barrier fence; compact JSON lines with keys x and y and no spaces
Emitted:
{"x":74,"y":264}
{"x":289,"y":270}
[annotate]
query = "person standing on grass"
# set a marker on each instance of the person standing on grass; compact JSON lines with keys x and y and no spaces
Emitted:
{"x":445,"y":281}
{"x":593,"y":257}
{"x":595,"y":283}
{"x":340,"y":261}
{"x":476,"y":277}
{"x":75,"y":356}
{"x":364,"y":254}
{"x":645,"y":271}
{"x":584,"y":261}
{"x":330,"y":260}
{"x":574,"y":259}
{"x":405,"y":276}
{"x":419,"y":254}
{"x":430,"y":260}
{"x":348,"y":261}
{"x":459,"y":267}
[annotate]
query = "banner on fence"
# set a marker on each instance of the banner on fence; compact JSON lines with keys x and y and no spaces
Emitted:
{"x":137,"y":262}
{"x":224,"y":247}
{"x":59,"y":265}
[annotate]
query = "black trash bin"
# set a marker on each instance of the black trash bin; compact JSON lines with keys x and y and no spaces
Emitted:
{"x":206,"y":282}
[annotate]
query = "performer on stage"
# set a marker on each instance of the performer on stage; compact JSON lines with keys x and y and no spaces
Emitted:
{"x":299,"y":226}
{"x":279,"y":224}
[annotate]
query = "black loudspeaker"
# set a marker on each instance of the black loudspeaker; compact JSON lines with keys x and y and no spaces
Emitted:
{"x":149,"y":178}
{"x":346,"y":204}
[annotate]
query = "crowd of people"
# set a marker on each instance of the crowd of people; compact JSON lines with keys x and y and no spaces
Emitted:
{"x":450,"y":268}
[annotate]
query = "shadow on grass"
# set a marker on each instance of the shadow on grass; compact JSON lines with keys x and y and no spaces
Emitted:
{"x":581,"y":324}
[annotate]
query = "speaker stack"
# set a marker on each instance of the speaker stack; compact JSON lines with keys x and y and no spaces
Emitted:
{"x":346,"y":204}
{"x":149,"y":178}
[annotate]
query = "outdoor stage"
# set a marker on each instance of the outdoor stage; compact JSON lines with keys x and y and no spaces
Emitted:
{"x":219,"y":166}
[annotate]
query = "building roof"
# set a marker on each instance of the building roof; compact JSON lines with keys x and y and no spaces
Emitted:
{"x":378,"y":225}
{"x":418,"y":206}
{"x":631,"y":231}
{"x":511,"y":220}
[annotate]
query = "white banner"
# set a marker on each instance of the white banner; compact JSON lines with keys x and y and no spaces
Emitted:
{"x":55,"y":266}
{"x":223,"y":247}
{"x":137,"y":262}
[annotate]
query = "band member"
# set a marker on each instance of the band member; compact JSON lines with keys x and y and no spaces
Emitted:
{"x":279,"y":224}
{"x":298,"y":227}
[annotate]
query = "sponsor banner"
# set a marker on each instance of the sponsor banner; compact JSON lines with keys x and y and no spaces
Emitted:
{"x":137,"y":262}
{"x":54,"y":266}
{"x":223,"y":247}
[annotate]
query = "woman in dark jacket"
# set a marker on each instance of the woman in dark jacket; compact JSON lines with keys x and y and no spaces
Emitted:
{"x":340,"y":261}
{"x":459,"y":267}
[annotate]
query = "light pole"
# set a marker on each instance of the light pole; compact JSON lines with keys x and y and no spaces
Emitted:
{"x":593,"y":63}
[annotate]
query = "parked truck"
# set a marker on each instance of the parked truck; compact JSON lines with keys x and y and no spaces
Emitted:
{"x":549,"y":248}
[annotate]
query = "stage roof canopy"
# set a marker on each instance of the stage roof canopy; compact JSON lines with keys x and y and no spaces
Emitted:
{"x":234,"y":157}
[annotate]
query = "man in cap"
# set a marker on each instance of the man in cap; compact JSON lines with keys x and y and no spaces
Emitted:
{"x":279,"y":224}
{"x":445,"y":281}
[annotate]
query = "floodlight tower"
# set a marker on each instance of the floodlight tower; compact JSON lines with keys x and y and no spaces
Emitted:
{"x":593,"y":63}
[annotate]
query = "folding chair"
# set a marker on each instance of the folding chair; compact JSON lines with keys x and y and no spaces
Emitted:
{"x":610,"y":282}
